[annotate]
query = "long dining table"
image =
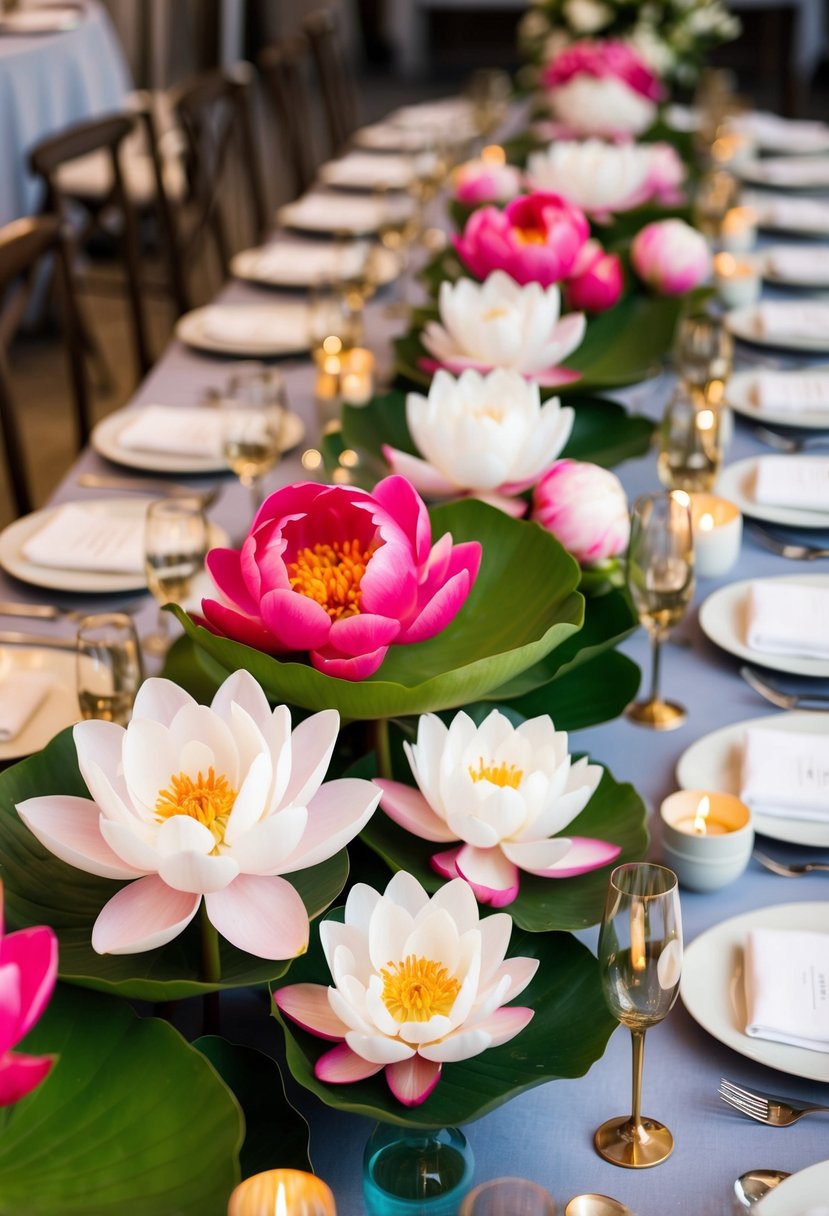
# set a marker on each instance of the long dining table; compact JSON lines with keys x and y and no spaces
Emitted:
{"x":546,"y":1133}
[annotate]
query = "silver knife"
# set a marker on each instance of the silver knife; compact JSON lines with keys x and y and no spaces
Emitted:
{"x":10,"y":637}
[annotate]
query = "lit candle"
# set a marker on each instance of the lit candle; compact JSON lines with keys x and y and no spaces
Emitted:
{"x":701,"y":824}
{"x":707,"y":837}
{"x":739,"y":230}
{"x":493,"y":154}
{"x":282,"y":1193}
{"x":737,"y":279}
{"x":731,"y":149}
{"x":357,"y":376}
{"x":718,"y":529}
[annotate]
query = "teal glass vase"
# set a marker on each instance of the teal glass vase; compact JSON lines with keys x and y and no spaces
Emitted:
{"x":416,"y":1171}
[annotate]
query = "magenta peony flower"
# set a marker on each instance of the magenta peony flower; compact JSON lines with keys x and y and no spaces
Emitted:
{"x":535,"y":239}
{"x":482,"y":181}
{"x":342,"y":574}
{"x":602,"y":88}
{"x":29,"y":966}
{"x":597,"y":281}
{"x":603,"y":59}
{"x":585,"y":508}
{"x":670,"y":256}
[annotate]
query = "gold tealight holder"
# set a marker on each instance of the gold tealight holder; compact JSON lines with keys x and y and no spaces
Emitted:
{"x":282,"y":1193}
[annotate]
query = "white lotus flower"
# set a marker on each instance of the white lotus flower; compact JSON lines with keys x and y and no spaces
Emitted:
{"x":499,"y":323}
{"x":418,"y":983}
{"x":598,"y":177}
{"x":505,"y":792}
{"x":487,"y":436}
{"x":192,"y":802}
{"x":605,"y":107}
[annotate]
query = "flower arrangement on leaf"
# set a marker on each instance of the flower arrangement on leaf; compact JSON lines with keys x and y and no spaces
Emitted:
{"x":418,"y":982}
{"x":29,"y":966}
{"x":601,"y":88}
{"x":501,"y":795}
{"x":195,"y":803}
{"x":604,"y":179}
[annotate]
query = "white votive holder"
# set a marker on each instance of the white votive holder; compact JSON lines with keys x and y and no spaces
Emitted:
{"x":718,"y":531}
{"x":738,"y":232}
{"x":706,"y":843}
{"x":737,"y":279}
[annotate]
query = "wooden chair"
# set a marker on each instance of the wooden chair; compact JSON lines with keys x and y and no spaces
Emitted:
{"x":107,"y":135}
{"x":23,"y":245}
{"x":336,"y":79}
{"x":214,"y":111}
{"x":283,"y":66}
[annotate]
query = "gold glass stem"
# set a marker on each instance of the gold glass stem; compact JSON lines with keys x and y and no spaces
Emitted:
{"x":656,"y":656}
{"x":638,"y":1059}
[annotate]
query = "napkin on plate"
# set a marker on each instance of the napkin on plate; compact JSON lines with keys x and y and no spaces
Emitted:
{"x":787,"y":987}
{"x":801,"y":482}
{"x":796,"y":391}
{"x":174,"y":430}
{"x":787,"y":319}
{"x":21,"y":695}
{"x":798,"y":214}
{"x":772,"y":130}
{"x":254,"y":328}
{"x":332,"y":212}
{"x":786,"y":774}
{"x":803,"y":171}
{"x":363,"y":169}
{"x":798,"y":264}
{"x":307,"y":261}
{"x":385,"y":136}
{"x":78,"y":537}
{"x":789,"y":619}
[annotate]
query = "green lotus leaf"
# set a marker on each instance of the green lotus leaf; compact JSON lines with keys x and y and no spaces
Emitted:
{"x":131,"y":1119}
{"x":567,"y":1035}
{"x":276,"y":1134}
{"x":595,"y":691}
{"x":523,"y":604}
{"x":40,"y":889}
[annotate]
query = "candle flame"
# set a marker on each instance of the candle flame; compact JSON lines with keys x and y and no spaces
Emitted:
{"x":280,"y":1207}
{"x":638,"y":957}
{"x":705,"y":420}
{"x":725,"y":264}
{"x":701,"y":816}
{"x":706,"y":522}
{"x":493,"y":154}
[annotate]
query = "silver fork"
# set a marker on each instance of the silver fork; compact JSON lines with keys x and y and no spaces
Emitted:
{"x":793,"y":869}
{"x":795,"y":552}
{"x":788,"y":443}
{"x":784,"y":700}
{"x":766,"y":1108}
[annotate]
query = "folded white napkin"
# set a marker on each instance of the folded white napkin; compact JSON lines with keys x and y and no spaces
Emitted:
{"x":786,"y":774}
{"x":386,"y":136}
{"x":772,"y":130}
{"x":799,"y":264}
{"x":787,"y":987}
{"x":363,"y":169}
{"x":792,"y":170}
{"x":174,"y":431}
{"x":78,"y":537}
{"x":453,"y":114}
{"x":775,"y":319}
{"x":801,"y":482}
{"x":307,"y":261}
{"x":21,"y":695}
{"x":797,"y":214}
{"x":333,"y":212}
{"x":254,"y":327}
{"x":788,"y":618}
{"x":790,"y":391}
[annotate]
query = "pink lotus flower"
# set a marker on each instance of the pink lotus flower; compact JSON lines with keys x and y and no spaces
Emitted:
{"x":602,"y":88}
{"x":342,"y":574}
{"x":535,"y":239}
{"x":484,"y":181}
{"x":667,"y":175}
{"x":29,"y":967}
{"x":501,"y":794}
{"x":597,"y":281}
{"x":418,"y":982}
{"x":585,"y":508}
{"x":670,"y":256}
{"x":191,"y":802}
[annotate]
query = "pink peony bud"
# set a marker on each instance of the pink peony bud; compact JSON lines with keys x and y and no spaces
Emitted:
{"x":481,"y":181}
{"x":597,"y":281}
{"x":670,"y":256}
{"x":585,"y":508}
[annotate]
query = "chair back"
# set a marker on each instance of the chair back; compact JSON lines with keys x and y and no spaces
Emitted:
{"x":23,"y":245}
{"x":283,"y":66}
{"x":335,"y":76}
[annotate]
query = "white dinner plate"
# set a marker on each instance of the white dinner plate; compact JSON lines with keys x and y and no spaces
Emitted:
{"x":55,"y":19}
{"x":389,"y":137}
{"x":783,"y":136}
{"x":741,"y":323}
{"x":736,"y":482}
{"x":15,"y":536}
{"x":740,"y":399}
{"x":798,"y":217}
{"x":714,"y":763}
{"x":368,"y":171}
{"x":332,"y":214}
{"x":712,"y":987}
{"x":288,"y":322}
{"x":787,"y":172}
{"x":60,"y":706}
{"x":722,"y":618}
{"x":307,"y":263}
{"x":105,"y":441}
{"x":807,"y":1188}
{"x":819,"y":281}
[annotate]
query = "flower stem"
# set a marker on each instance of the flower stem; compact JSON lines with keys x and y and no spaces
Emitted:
{"x":382,"y":747}
{"x":211,"y":961}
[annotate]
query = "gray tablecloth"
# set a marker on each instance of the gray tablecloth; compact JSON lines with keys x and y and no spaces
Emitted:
{"x":546,"y":1134}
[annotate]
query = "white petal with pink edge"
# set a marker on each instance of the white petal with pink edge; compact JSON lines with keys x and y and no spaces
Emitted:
{"x":378,"y":1048}
{"x":413,"y":1080}
{"x":337,"y":812}
{"x":263,"y":916}
{"x":341,"y":1066}
{"x":309,"y":1007}
{"x":142,"y":916}
{"x":69,"y":827}
{"x":408,"y":808}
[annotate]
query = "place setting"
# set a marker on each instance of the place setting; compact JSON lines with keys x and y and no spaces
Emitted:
{"x":294,"y":262}
{"x":786,"y":324}
{"x":791,"y":491}
{"x":268,"y":330}
{"x":796,"y":398}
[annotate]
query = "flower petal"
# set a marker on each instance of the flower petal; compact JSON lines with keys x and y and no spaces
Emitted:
{"x":341,"y":1066}
{"x":492,"y":876}
{"x":309,"y":1007}
{"x":336,"y":814}
{"x":413,"y":1080}
{"x":501,"y":1026}
{"x":408,"y":807}
{"x":312,"y":745}
{"x":20,"y":1074}
{"x":262,"y":915}
{"x":34,"y":952}
{"x":69,"y":827}
{"x":378,"y":1048}
{"x":142,"y":916}
{"x":585,"y":854}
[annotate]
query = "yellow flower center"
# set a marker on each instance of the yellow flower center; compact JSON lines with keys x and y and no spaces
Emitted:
{"x":331,"y":575}
{"x":493,"y":314}
{"x":207,"y":799}
{"x":417,"y":989}
{"x":530,"y":236}
{"x":497,"y":775}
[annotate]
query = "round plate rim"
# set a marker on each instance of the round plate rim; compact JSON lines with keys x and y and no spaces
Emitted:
{"x":793,"y":666}
{"x":805,"y":420}
{"x":737,"y":321}
{"x":188,"y":330}
{"x":790,"y":517}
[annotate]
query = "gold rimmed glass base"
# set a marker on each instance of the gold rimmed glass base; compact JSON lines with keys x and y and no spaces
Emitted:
{"x":635,"y":1146}
{"x":657,"y":714}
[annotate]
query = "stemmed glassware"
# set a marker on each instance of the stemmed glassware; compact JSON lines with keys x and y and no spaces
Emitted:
{"x":253,"y":415}
{"x":109,"y":667}
{"x":660,"y":576}
{"x":704,"y":354}
{"x":175,"y":544}
{"x":640,"y":957}
{"x":690,"y":441}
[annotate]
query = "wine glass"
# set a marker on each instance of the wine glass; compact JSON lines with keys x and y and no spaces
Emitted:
{"x":175,"y":544}
{"x":660,"y":577}
{"x":640,"y":956}
{"x":109,"y":668}
{"x":253,"y":414}
{"x":704,"y":354}
{"x":690,"y":441}
{"x":488,"y":91}
{"x":398,"y":228}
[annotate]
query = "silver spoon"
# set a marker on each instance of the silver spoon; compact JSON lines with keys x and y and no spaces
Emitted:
{"x":596,"y":1205}
{"x":751,"y":1187}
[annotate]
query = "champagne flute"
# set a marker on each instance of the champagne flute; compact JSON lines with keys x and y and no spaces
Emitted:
{"x":253,"y":413}
{"x":640,"y":956}
{"x":175,"y":544}
{"x":660,"y":577}
{"x":690,"y":442}
{"x":109,"y":668}
{"x":704,"y":354}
